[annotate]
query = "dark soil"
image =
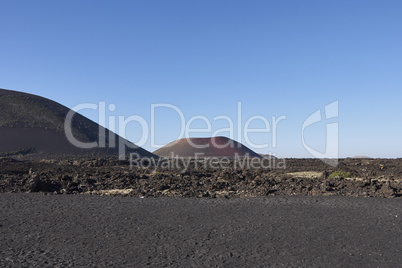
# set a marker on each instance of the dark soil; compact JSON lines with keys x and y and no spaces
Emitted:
{"x":39,"y":230}
{"x":308,"y":177}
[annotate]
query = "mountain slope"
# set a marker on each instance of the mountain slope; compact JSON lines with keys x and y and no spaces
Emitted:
{"x":34,"y":125}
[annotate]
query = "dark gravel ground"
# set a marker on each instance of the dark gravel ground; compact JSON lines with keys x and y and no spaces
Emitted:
{"x":38,"y":230}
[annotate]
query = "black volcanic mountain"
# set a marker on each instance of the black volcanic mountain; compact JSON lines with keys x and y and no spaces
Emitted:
{"x":205,"y":147}
{"x":33,"y":125}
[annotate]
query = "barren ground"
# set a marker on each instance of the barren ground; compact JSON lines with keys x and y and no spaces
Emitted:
{"x":39,"y":230}
{"x":281,"y":177}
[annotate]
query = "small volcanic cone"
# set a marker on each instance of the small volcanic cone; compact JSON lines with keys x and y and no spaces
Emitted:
{"x":205,"y":147}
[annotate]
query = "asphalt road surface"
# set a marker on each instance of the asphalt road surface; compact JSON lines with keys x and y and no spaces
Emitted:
{"x":39,"y":230}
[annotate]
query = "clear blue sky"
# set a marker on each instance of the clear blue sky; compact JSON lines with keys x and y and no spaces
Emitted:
{"x":278,"y":58}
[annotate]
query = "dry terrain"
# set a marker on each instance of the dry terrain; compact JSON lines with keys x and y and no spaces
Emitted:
{"x":39,"y":230}
{"x":204,"y":178}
